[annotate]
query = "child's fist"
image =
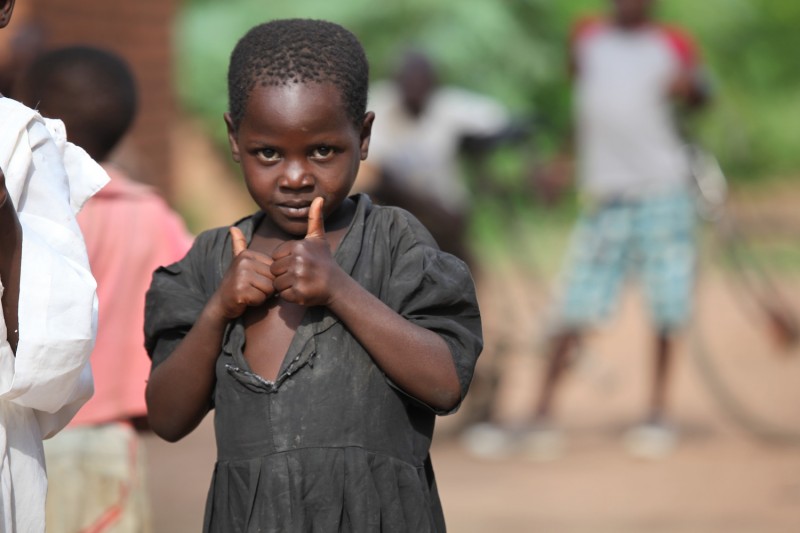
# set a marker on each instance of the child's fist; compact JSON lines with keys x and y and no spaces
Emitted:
{"x":304,"y":270}
{"x":248,"y":281}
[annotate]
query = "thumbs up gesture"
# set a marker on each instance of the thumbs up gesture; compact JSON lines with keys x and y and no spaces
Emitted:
{"x":304,"y":270}
{"x":248,"y":281}
{"x":316,"y":221}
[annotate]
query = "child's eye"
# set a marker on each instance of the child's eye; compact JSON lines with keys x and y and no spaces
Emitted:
{"x":268,"y":154}
{"x":323,"y":152}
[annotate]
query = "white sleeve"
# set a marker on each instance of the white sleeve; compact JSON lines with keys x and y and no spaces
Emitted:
{"x":475,"y":114}
{"x":57,"y":303}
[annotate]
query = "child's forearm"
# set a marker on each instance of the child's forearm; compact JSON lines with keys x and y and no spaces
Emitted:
{"x":10,"y":260}
{"x":179,"y":389}
{"x":414,"y":358}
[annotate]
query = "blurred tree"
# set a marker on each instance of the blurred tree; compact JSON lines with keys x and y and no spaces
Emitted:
{"x":515,"y":51}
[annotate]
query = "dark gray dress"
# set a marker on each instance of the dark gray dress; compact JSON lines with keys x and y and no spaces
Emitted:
{"x":332,"y":445}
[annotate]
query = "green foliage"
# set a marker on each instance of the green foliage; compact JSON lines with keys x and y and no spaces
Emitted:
{"x":747,"y":44}
{"x":514,"y":50}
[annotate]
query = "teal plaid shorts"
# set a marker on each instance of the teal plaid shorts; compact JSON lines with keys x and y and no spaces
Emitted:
{"x":652,"y":239}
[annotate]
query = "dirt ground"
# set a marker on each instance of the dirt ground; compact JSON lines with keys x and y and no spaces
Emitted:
{"x":718,"y":479}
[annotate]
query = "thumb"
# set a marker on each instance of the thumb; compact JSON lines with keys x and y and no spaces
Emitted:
{"x":316,"y":224}
{"x":239,"y":242}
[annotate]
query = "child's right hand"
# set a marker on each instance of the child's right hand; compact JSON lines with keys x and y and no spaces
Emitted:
{"x":248,"y":281}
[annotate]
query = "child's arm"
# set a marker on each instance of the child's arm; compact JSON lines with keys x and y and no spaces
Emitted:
{"x":414,"y":358}
{"x":179,"y":390}
{"x":10,"y":257}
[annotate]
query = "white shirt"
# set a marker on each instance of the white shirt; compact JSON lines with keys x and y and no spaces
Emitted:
{"x":628,"y":144}
{"x":423,"y":151}
{"x":48,"y":180}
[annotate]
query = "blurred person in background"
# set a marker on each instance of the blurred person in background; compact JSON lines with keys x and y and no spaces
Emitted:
{"x":420,"y":130}
{"x":20,"y":43}
{"x":630,"y":74}
{"x":49,"y":306}
{"x":96,"y":466}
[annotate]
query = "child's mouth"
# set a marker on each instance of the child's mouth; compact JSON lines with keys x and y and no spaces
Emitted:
{"x":295,"y":211}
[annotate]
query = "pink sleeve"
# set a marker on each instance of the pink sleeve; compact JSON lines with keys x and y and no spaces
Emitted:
{"x":583,"y":28}
{"x":683,"y":46}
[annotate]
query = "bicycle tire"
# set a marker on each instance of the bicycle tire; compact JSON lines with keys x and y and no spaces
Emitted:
{"x":746,"y":348}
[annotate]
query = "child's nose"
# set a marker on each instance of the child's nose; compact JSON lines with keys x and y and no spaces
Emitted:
{"x":297,"y":176}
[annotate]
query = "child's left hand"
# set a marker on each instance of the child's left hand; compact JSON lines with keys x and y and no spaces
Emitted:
{"x":305,"y":270}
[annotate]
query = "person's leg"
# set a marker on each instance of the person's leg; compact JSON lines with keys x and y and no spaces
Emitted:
{"x":596,"y":265}
{"x":661,"y":376}
{"x":557,"y":363}
{"x":654,"y":437}
{"x":96,"y":480}
{"x":665,"y":240}
{"x":666,"y":243}
{"x":541,"y":441}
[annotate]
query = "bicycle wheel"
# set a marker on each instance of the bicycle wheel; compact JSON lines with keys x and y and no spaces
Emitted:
{"x":746,"y":337}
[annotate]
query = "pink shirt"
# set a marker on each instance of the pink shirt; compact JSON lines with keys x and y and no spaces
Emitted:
{"x":129,"y":232}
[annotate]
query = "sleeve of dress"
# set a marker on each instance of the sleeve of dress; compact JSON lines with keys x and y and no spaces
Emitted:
{"x":175,"y":299}
{"x":57,"y":303}
{"x":435,"y":290}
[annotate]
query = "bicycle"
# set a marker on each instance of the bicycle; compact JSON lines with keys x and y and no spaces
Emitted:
{"x":751,"y":336}
{"x":747,"y":347}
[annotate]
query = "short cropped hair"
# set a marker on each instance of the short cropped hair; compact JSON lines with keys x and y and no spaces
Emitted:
{"x":92,"y":90}
{"x":299,"y":51}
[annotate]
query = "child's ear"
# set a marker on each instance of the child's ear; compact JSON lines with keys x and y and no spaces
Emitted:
{"x":6,"y":8}
{"x":234,"y":143}
{"x":366,"y":133}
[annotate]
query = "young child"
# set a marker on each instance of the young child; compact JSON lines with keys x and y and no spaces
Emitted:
{"x":129,"y":231}
{"x":49,"y":315}
{"x":325,"y":331}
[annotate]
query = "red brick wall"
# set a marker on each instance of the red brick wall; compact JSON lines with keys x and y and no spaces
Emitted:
{"x":141,"y":32}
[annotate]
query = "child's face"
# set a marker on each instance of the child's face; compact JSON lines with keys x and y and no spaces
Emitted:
{"x":296,"y":142}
